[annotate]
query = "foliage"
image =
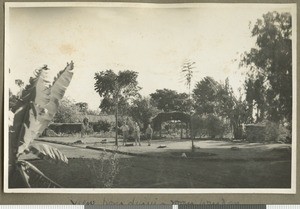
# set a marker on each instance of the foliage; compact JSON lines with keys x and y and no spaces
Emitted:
{"x":65,"y":128}
{"x":255,"y":97}
{"x":214,"y":126}
{"x":197,"y":126}
{"x":187,"y":71}
{"x":207,"y":97}
{"x":113,"y":87}
{"x":208,"y":125}
{"x":46,"y":152}
{"x":142,"y":111}
{"x":169,"y":100}
{"x":167,"y":116}
{"x":276,"y":132}
{"x":116,"y":90}
{"x":82,"y":106}
{"x":271,"y":131}
{"x":35,"y":109}
{"x":214,"y":98}
{"x":270,"y":63}
{"x":105,"y":171}
{"x":13,"y":100}
{"x":102,"y":125}
{"x":67,"y":112}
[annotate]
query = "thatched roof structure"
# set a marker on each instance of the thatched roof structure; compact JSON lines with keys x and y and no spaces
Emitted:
{"x":167,"y":116}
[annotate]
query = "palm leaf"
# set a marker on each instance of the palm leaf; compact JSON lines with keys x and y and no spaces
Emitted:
{"x":57,"y":92}
{"x":24,"y":120}
{"x":34,"y":177}
{"x":48,"y":153}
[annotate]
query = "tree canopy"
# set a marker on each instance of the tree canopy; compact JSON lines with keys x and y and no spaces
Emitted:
{"x":116,"y":90}
{"x":142,"y":111}
{"x":269,"y":83}
{"x":169,"y":100}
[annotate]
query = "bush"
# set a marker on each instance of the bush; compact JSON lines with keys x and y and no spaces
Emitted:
{"x":68,"y":128}
{"x":277,"y":132}
{"x":101,"y":125}
{"x":214,"y":126}
{"x":271,"y":131}
{"x":255,"y":132}
{"x":197,"y":126}
{"x":285,"y":134}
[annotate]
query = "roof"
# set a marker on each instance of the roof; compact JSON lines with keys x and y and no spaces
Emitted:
{"x":166,"y":116}
{"x":96,"y":118}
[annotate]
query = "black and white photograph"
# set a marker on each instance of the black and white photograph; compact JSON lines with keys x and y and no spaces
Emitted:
{"x":150,"y":98}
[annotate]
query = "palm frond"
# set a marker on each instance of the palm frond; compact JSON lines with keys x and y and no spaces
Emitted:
{"x":48,"y":153}
{"x":34,"y":177}
{"x":57,"y":92}
{"x":24,"y":119}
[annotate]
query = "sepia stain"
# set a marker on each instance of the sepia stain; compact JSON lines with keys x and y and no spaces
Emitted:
{"x":67,"y":49}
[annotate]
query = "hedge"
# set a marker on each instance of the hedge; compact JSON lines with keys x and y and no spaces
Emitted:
{"x":71,"y":128}
{"x":68,"y":128}
{"x":255,"y":132}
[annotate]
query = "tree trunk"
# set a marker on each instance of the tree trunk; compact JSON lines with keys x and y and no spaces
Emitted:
{"x":117,"y":112}
{"x":181,"y":131}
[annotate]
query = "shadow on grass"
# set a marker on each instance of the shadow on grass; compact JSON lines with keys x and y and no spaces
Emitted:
{"x":146,"y":172}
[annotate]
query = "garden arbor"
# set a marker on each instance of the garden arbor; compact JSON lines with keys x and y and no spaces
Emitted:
{"x":168,"y":116}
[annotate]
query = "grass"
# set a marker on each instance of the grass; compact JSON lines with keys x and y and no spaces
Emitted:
{"x":115,"y":171}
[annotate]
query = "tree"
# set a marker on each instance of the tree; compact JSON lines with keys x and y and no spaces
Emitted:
{"x":214,"y":126}
{"x":169,"y":100}
{"x":82,"y":106}
{"x":36,"y":108}
{"x":256,"y":97}
{"x":214,"y":99}
{"x":270,"y":63}
{"x":67,"y":112}
{"x":142,"y":111}
{"x":206,"y":96}
{"x":13,"y":100}
{"x":187,"y":70}
{"x":197,"y":125}
{"x":116,"y":89}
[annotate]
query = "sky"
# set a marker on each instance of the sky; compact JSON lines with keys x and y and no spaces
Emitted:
{"x":153,"y":40}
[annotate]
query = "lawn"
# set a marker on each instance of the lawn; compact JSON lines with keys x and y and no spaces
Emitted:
{"x":214,"y":164}
{"x":116,"y":171}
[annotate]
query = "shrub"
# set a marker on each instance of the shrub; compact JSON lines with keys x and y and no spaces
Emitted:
{"x":277,"y":132}
{"x":197,"y":126}
{"x":284,"y":134}
{"x":101,"y":125}
{"x":214,"y":126}
{"x":255,"y":132}
{"x":271,"y":131}
{"x":68,"y":128}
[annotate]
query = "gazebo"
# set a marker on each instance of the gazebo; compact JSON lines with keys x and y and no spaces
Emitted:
{"x":168,"y":116}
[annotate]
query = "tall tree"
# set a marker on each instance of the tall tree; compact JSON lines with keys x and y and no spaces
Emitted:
{"x":206,"y":94}
{"x":214,"y":99}
{"x":169,"y":100}
{"x":270,"y":64}
{"x":116,"y":89}
{"x":67,"y":112}
{"x":187,"y":71}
